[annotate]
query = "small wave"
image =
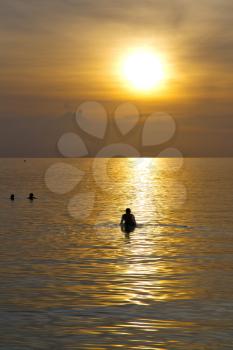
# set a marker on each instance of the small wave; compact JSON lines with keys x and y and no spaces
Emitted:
{"x":142,"y":225}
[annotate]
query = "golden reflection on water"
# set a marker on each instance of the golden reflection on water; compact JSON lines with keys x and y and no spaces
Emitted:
{"x":89,"y":284}
{"x":153,"y":189}
{"x":143,"y":170}
{"x":145,"y":274}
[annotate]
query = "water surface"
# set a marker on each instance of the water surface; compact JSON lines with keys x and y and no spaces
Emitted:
{"x":71,"y":284}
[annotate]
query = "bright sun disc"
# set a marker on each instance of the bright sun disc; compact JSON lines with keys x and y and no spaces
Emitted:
{"x":144,"y":70}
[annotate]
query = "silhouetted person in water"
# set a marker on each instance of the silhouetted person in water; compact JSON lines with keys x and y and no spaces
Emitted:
{"x":12,"y":197}
{"x":31,"y":196}
{"x":128,"y":222}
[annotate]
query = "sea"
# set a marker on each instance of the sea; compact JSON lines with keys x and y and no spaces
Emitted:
{"x":70,"y":278}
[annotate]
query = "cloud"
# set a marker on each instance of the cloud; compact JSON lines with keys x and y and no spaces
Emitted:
{"x":62,"y":48}
{"x":25,"y":14}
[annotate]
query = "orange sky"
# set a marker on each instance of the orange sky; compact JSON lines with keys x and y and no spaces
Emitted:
{"x":58,"y":53}
{"x":70,"y":48}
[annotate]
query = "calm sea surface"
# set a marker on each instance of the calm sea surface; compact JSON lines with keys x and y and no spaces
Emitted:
{"x":71,"y":279}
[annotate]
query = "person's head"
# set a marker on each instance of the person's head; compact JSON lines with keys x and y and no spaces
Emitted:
{"x":31,"y":194}
{"x":128,"y":211}
{"x":12,"y":196}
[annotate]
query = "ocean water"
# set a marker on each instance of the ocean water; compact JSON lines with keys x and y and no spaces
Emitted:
{"x":71,"y":279}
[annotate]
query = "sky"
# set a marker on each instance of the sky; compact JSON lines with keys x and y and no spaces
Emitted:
{"x":56,"y":54}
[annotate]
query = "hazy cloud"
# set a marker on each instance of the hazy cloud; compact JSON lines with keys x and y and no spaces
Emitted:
{"x":59,"y":48}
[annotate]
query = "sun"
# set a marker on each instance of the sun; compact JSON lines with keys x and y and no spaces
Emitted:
{"x":144,"y":70}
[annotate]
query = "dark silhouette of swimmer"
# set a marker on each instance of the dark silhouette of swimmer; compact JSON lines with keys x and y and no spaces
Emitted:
{"x":128,"y":222}
{"x":31,"y":196}
{"x":12,"y":197}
